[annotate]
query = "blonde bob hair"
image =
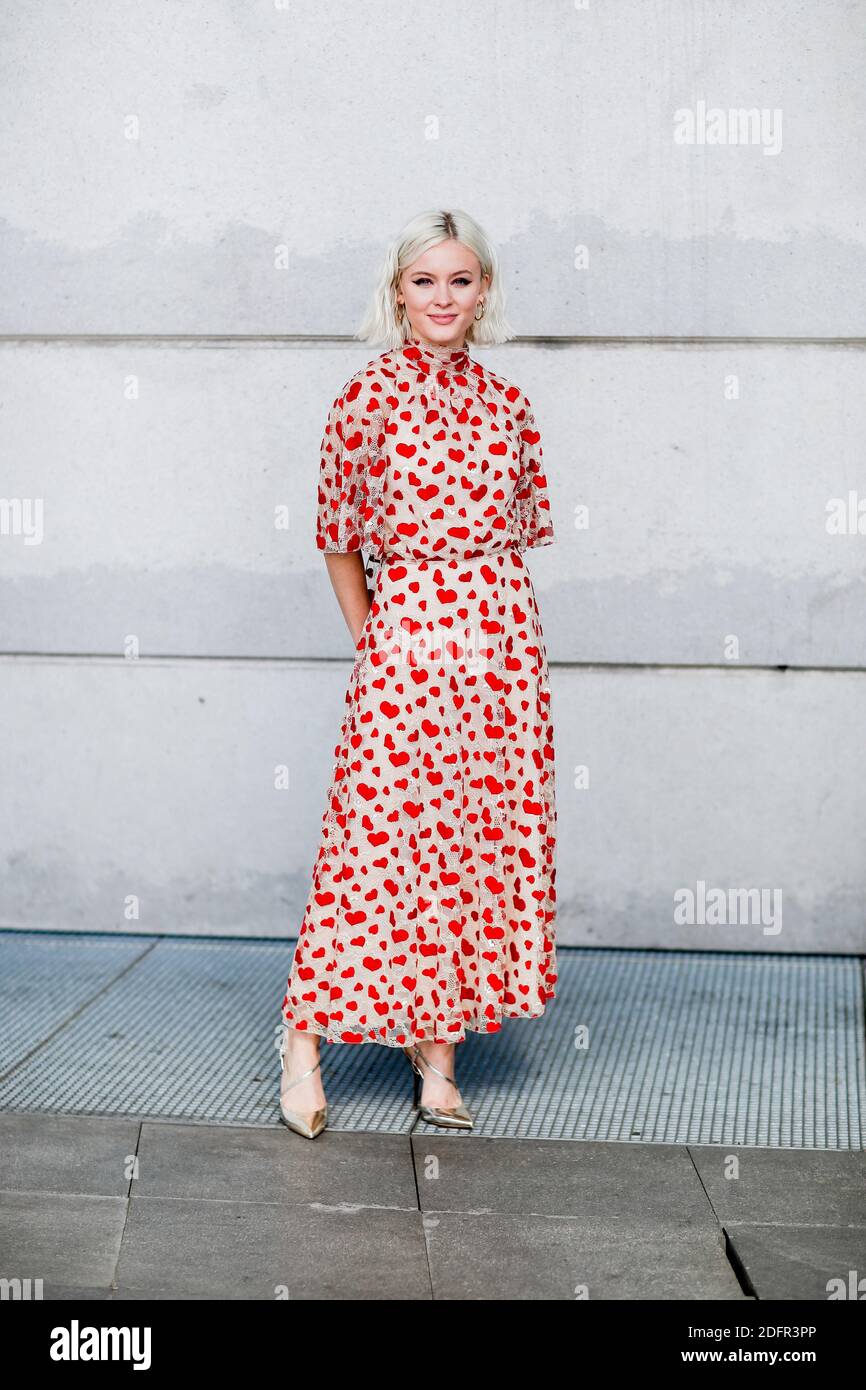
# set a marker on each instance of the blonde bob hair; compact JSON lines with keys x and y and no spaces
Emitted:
{"x":381,"y":323}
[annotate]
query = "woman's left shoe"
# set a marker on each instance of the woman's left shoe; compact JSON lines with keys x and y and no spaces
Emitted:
{"x":457,"y":1117}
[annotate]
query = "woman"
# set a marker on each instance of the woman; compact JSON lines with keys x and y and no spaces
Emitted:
{"x":432,"y":903}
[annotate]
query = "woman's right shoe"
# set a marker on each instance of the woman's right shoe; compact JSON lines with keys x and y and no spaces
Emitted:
{"x":457,"y":1117}
{"x":307,"y":1123}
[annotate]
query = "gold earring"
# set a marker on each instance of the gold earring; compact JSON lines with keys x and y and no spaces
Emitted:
{"x":479,"y":305}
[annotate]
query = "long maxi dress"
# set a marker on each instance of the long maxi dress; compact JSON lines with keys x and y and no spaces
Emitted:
{"x":432,"y":905}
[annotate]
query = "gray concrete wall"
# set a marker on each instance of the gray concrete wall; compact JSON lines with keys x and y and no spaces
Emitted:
{"x":195,"y":198}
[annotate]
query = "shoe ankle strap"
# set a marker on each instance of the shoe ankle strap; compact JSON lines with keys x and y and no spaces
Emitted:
{"x":417,"y":1051}
{"x":303,"y":1076}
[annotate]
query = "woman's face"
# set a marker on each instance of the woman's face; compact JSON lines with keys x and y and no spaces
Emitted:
{"x":440,"y":291}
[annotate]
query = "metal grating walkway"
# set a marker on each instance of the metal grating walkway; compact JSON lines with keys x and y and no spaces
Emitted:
{"x":639,"y":1046}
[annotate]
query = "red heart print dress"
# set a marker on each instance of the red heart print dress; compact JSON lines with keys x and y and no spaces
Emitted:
{"x":432,"y":903}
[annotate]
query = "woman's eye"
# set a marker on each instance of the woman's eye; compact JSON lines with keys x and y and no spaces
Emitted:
{"x":462,"y":280}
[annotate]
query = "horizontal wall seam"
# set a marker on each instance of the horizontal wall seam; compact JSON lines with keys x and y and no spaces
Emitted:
{"x":155,"y":658}
{"x":292,"y":341}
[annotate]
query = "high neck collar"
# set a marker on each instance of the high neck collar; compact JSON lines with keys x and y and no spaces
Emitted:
{"x":434,"y":357}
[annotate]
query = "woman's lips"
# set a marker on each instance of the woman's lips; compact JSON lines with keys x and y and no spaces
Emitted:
{"x":442,"y":318}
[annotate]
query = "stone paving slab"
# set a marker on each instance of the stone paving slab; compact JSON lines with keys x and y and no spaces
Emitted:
{"x":68,"y":1240}
{"x":781,"y":1185}
{"x":617,"y":1183}
{"x":42,"y":1152}
{"x":253,"y":1250}
{"x":800,"y":1261}
{"x":509,"y":1256}
{"x":214,"y":1163}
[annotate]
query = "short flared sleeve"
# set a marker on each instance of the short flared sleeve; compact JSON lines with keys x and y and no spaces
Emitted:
{"x":533,"y":518}
{"x":351,"y":472}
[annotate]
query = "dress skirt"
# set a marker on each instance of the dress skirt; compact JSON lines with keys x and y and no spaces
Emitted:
{"x":432,"y":903}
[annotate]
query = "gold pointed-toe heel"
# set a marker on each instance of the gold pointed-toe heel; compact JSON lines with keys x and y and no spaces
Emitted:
{"x":308,"y":1123}
{"x":457,"y":1117}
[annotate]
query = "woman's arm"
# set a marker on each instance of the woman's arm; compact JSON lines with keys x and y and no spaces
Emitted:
{"x":346,"y":573}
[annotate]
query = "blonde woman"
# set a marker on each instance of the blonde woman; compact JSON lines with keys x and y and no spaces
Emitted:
{"x":432,"y":905}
